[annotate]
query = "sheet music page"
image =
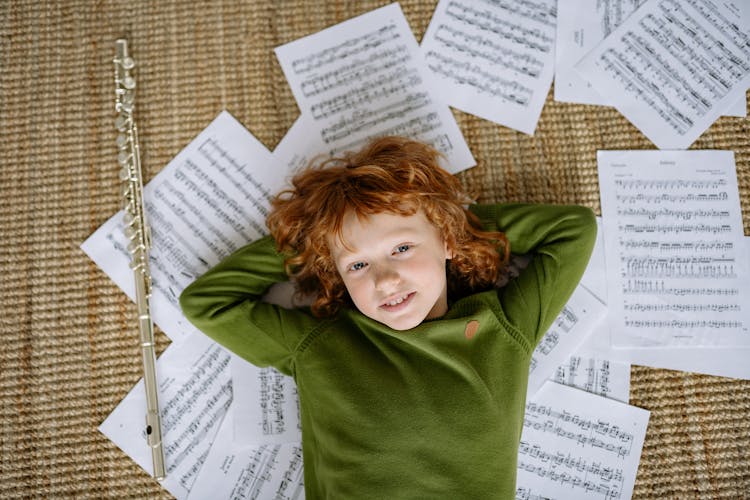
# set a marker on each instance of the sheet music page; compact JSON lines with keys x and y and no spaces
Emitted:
{"x":577,"y":445}
{"x":493,"y":58}
{"x":267,"y":407}
{"x":366,"y":77}
{"x":673,"y":67}
{"x":237,"y":472}
{"x":581,"y":26}
{"x":571,"y":327}
{"x":610,"y":379}
{"x":195,"y":394}
{"x":211,"y":199}
{"x":677,"y":272}
{"x":722,"y":362}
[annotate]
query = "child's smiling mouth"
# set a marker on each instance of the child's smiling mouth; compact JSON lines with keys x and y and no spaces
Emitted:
{"x":398,"y":302}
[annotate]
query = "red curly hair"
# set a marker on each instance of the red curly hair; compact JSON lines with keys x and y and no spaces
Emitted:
{"x":390,"y":174}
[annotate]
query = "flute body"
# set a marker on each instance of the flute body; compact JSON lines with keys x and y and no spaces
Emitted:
{"x":139,"y":236}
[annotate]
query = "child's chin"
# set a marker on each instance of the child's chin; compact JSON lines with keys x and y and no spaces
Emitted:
{"x":402,"y":324}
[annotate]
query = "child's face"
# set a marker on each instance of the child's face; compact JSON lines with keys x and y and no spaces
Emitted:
{"x":395,"y":271}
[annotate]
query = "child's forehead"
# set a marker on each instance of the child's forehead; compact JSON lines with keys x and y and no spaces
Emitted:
{"x":358,"y":230}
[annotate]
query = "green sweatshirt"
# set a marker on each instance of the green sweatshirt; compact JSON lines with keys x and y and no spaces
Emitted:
{"x":425,"y":413}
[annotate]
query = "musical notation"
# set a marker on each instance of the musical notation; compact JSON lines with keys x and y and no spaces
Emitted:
{"x":355,"y":71}
{"x":493,"y":58}
{"x":677,"y":246}
{"x":484,"y":49}
{"x":365,"y":78}
{"x":676,"y":67}
{"x":678,"y":267}
{"x":576,"y":472}
{"x":579,"y":443}
{"x":272,"y":400}
{"x":682,"y":307}
{"x":258,"y":471}
{"x":659,"y":287}
{"x":568,"y":330}
{"x":197,"y":392}
{"x":673,"y":214}
{"x":597,"y":376}
{"x":674,"y":255}
{"x":395,"y":83}
{"x":206,"y":202}
{"x":350,"y":47}
{"x":496,"y":22}
{"x":671,"y":197}
{"x":676,"y":229}
{"x":368,"y":118}
{"x":466,"y":73}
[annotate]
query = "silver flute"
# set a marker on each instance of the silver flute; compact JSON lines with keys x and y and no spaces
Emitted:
{"x":139,"y":234}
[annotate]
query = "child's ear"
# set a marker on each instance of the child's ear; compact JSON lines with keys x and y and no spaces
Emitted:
{"x":448,"y":251}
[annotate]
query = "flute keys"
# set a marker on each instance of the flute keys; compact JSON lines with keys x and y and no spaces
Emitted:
{"x":121,"y":122}
{"x":122,"y":140}
{"x":128,"y":63}
{"x":123,"y":157}
{"x":128,"y":82}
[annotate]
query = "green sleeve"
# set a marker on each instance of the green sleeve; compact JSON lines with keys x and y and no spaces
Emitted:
{"x":559,"y":239}
{"x":225,"y":303}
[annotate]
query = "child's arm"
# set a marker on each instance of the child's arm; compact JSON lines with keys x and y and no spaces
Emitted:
{"x":559,"y":238}
{"x":225,"y":303}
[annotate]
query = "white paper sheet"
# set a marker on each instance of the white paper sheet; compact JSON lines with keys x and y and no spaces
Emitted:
{"x":676,"y":268}
{"x":237,"y":472}
{"x":576,"y":445}
{"x":366,"y":77}
{"x":581,"y":26}
{"x":195,"y":393}
{"x":571,"y":327}
{"x":493,"y":58}
{"x":211,"y":199}
{"x":594,"y":278}
{"x":722,"y":362}
{"x":267,"y":408}
{"x":610,"y":379}
{"x":300,"y":146}
{"x":729,"y":362}
{"x":738,"y":109}
{"x":672,"y":68}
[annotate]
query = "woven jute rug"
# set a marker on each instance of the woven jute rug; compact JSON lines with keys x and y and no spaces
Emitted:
{"x":69,"y":352}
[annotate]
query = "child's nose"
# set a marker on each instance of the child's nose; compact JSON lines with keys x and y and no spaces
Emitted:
{"x":386,"y":278}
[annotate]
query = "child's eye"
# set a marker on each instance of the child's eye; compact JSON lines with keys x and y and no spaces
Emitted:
{"x":357,"y":266}
{"x":402,"y":248}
